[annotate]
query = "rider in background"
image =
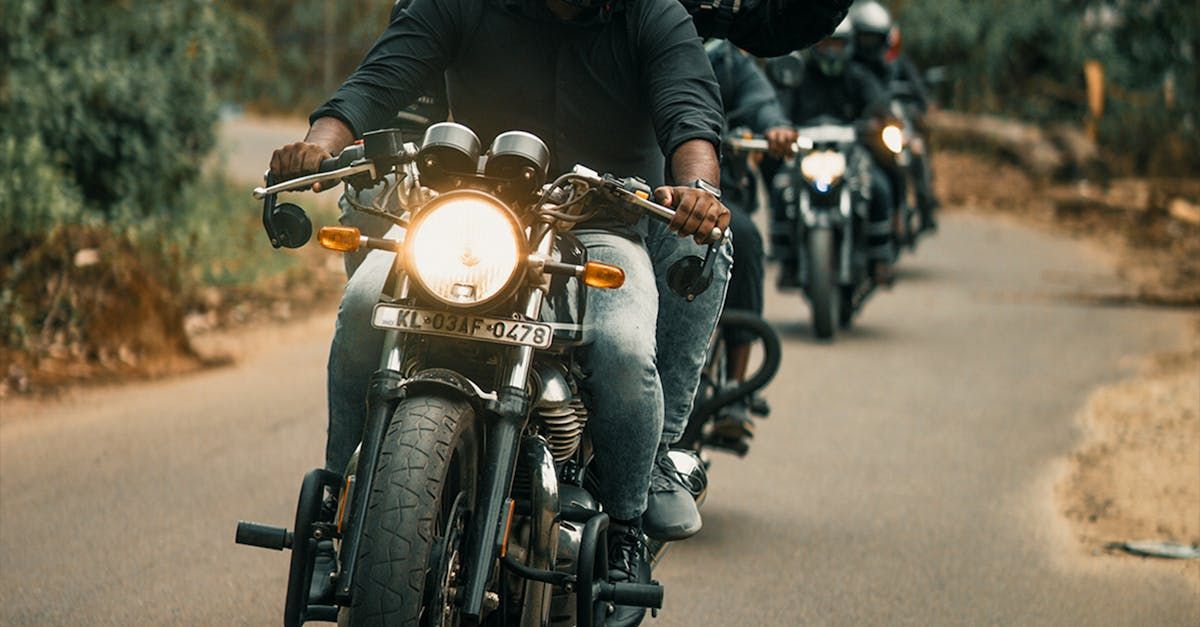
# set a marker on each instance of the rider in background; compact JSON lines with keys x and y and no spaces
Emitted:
{"x":877,"y":47}
{"x":750,"y":104}
{"x":832,"y":85}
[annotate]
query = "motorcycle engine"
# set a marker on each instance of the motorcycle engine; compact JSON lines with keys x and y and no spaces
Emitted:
{"x":559,"y":413}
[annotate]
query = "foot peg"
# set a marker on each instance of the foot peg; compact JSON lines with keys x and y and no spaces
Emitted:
{"x":263,"y":536}
{"x":647,"y":595}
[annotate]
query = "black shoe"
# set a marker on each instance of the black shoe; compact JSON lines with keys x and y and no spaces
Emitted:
{"x":627,"y":564}
{"x":676,"y":482}
{"x":734,"y":422}
{"x":759,"y":406}
{"x":324,"y":564}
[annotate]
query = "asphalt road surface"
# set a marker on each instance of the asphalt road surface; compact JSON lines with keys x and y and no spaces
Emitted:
{"x":905,"y":476}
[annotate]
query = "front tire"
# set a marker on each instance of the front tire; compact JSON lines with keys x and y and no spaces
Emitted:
{"x":822,"y":287}
{"x":428,"y":458}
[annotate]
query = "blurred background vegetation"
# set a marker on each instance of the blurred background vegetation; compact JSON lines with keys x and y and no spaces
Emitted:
{"x":108,"y":213}
{"x":1026,"y":59}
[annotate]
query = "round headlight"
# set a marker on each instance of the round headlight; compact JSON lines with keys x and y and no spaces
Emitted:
{"x":824,"y":167}
{"x":464,"y":248}
{"x":893,"y":138}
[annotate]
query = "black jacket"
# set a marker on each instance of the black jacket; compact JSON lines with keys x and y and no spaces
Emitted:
{"x":853,"y":95}
{"x":617,"y":91}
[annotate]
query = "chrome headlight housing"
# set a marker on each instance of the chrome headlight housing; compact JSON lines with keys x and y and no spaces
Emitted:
{"x":465,"y":249}
{"x":823,"y":168}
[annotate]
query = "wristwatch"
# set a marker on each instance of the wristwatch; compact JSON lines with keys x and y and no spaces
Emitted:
{"x":708,"y":187}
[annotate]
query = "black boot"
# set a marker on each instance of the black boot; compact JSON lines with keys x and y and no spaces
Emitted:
{"x":627,"y":564}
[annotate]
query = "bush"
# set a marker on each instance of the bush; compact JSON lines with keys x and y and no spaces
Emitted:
{"x":1026,"y":59}
{"x":118,"y":94}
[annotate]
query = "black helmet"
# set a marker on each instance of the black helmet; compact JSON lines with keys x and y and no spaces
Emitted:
{"x":872,"y":31}
{"x":833,"y":53}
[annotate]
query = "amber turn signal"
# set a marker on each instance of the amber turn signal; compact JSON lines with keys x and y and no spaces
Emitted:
{"x":345,"y":239}
{"x":603,"y":275}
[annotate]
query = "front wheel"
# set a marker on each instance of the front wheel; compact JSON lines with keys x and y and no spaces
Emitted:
{"x":424,"y":482}
{"x":822,"y":282}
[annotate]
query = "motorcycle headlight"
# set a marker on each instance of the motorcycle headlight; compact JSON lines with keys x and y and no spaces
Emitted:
{"x":823,"y":168}
{"x":893,"y":138}
{"x":464,"y":248}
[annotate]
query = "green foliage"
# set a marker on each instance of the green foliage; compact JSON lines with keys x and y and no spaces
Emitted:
{"x":1026,"y":59}
{"x":296,"y":52}
{"x":118,"y":93}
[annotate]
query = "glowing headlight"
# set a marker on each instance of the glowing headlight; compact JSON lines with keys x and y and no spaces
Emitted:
{"x":823,"y":168}
{"x":464,"y":249}
{"x":893,"y":138}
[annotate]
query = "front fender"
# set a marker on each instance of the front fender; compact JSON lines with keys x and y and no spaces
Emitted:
{"x":445,"y":380}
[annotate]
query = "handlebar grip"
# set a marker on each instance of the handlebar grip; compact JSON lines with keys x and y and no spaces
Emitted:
{"x":329,"y":165}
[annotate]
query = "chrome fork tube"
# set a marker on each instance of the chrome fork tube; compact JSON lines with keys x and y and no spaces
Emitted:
{"x":522,"y":365}
{"x":393,"y":353}
{"x":543,"y":533}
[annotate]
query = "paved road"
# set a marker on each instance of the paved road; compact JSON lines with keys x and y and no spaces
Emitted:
{"x":905,"y":477}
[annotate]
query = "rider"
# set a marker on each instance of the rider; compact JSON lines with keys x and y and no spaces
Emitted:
{"x":622,"y":87}
{"x":877,"y":47}
{"x":833,"y":85}
{"x":750,"y":103}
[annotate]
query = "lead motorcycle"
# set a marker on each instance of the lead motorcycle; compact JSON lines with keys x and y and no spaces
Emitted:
{"x":822,"y":216}
{"x":469,"y":499}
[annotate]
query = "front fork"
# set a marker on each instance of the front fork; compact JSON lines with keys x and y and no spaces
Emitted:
{"x":842,"y":220}
{"x":506,"y":422}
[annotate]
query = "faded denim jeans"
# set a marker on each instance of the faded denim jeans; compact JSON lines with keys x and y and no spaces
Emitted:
{"x":643,"y":364}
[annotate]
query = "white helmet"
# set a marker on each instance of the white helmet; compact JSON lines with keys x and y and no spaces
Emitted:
{"x":873,"y":27}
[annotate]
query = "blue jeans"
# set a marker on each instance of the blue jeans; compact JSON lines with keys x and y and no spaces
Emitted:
{"x":647,"y":348}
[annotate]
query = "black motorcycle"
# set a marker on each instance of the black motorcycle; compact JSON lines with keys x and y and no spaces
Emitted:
{"x":910,"y":173}
{"x":818,"y":224}
{"x":469,"y":499}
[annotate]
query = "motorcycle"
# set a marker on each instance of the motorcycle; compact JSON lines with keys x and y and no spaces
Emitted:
{"x":717,"y":391}
{"x":470,"y":498}
{"x":914,"y":210}
{"x":822,"y":218}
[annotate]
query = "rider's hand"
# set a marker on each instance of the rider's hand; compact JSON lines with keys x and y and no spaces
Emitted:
{"x":780,"y":141}
{"x":298,"y":159}
{"x":696,"y":211}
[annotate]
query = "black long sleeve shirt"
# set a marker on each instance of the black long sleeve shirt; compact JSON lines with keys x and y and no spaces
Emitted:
{"x":616,"y":91}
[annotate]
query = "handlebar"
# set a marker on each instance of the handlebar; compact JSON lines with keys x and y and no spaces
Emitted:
{"x":637,"y":193}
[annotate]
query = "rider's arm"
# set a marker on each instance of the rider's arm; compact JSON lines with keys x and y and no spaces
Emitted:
{"x":685,"y":103}
{"x":755,"y":104}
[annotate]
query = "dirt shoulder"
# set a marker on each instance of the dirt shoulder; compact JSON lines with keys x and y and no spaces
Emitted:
{"x":1137,"y":475}
{"x":1151,"y":226}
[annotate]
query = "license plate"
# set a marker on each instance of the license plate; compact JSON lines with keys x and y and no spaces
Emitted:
{"x":463,"y":326}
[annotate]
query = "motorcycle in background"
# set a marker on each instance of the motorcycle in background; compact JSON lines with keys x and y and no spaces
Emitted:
{"x":819,"y":223}
{"x":470,"y":498}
